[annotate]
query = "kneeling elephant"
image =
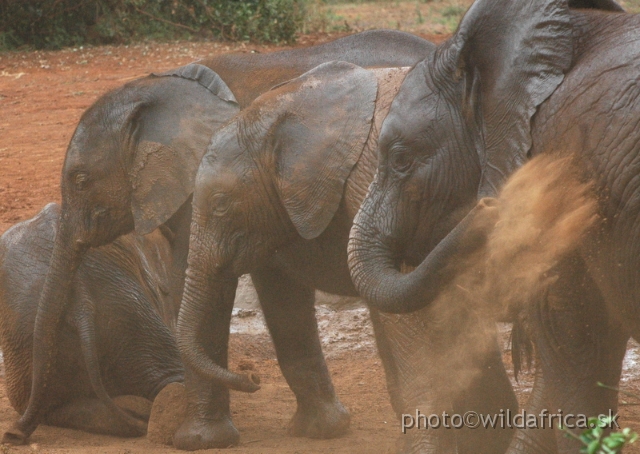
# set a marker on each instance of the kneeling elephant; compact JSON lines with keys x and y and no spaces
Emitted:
{"x":116,"y":339}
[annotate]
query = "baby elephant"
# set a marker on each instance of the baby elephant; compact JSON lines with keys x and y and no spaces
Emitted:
{"x":116,"y":338}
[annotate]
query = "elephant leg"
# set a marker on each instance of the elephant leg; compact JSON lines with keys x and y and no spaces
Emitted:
{"x":578,"y":345}
{"x":385,"y":351}
{"x":208,"y":423}
{"x":489,"y":393}
{"x":439,"y":370}
{"x":290,"y":315}
{"x":537,"y":441}
{"x":584,"y":396}
{"x":92,"y":415}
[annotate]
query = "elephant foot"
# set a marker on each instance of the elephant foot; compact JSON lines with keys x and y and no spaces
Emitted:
{"x":326,"y":420}
{"x":15,"y":436}
{"x":168,"y":412}
{"x":196,"y":434}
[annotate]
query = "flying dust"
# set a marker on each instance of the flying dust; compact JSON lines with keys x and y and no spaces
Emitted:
{"x":545,"y":211}
{"x":542,"y":214}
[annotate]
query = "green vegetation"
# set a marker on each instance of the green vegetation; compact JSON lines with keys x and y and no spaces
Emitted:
{"x":595,"y":441}
{"x":57,"y":23}
{"x":323,"y":18}
{"x":416,"y":16}
{"x":632,"y":6}
{"x":52,"y":24}
{"x":449,"y":15}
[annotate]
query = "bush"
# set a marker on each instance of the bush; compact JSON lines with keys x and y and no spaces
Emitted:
{"x":56,"y":23}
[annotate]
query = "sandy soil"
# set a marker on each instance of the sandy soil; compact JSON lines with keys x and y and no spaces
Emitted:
{"x":42,"y":95}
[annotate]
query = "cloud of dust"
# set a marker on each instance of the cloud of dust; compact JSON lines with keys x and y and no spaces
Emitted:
{"x":545,"y":211}
{"x":542,"y":214}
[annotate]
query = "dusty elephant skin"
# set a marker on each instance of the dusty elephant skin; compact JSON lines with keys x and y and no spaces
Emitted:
{"x":516,"y":80}
{"x":275,"y":196}
{"x":116,"y":338}
{"x":133,"y":157}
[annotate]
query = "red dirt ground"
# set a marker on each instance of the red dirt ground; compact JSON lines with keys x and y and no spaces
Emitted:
{"x":42,"y":96}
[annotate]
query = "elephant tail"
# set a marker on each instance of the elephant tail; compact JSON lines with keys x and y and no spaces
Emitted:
{"x":521,"y":347}
{"x":86,"y":329}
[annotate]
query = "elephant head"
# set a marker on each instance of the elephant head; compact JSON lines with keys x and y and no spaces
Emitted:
{"x":275,"y":174}
{"x":459,"y":126}
{"x":131,"y":163}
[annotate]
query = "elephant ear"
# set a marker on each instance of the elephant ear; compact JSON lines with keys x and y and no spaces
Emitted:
{"x":512,"y":55}
{"x":171,"y":129}
{"x":319,"y":128}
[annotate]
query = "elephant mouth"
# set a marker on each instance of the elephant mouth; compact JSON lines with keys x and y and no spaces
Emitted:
{"x":413,"y":254}
{"x":406,"y":268}
{"x":427,"y":237}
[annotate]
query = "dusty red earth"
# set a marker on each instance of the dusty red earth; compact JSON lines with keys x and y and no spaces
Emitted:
{"x":42,"y":96}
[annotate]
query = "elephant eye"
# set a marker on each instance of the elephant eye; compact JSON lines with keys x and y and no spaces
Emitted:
{"x":220,"y":204}
{"x":81,"y":180}
{"x":401,"y":160}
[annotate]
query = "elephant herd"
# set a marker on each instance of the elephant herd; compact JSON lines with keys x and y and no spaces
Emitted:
{"x":372,"y":166}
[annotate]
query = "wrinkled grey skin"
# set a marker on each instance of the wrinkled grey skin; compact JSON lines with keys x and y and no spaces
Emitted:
{"x":117,"y":337}
{"x":275,"y":196}
{"x":132,"y":160}
{"x":517,"y":79}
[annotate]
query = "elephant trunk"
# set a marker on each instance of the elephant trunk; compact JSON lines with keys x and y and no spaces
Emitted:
{"x":86,"y":329}
{"x":375,"y":269}
{"x":203,"y":295}
{"x":65,"y":258}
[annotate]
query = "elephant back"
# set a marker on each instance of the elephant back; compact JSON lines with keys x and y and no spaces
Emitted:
{"x":25,"y":252}
{"x":142,"y":263}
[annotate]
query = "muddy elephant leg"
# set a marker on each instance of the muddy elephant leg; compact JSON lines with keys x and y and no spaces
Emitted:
{"x":489,"y":393}
{"x":92,"y":415}
{"x":578,"y":345}
{"x":438,"y":370}
{"x":575,"y":389}
{"x":208,"y":423}
{"x":290,"y":316}
{"x":537,"y":441}
{"x":385,"y":351}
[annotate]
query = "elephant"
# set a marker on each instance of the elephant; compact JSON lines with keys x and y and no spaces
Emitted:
{"x":275,"y":196}
{"x":117,"y":337}
{"x":131,"y":163}
{"x":518,"y":79}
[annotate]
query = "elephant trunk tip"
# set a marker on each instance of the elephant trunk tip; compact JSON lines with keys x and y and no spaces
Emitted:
{"x":249,"y":383}
{"x":255,"y":378}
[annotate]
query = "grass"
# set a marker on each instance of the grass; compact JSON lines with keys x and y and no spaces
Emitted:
{"x":632,"y":6}
{"x":417,"y":16}
{"x":432,"y":17}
